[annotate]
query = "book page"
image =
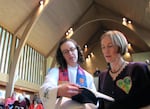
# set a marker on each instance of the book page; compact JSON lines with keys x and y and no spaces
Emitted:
{"x":100,"y":95}
{"x":106,"y":97}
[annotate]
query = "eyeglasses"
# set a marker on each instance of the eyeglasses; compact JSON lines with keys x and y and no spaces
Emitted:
{"x":66,"y":52}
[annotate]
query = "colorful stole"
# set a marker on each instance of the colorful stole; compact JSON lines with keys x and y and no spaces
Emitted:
{"x":63,"y":76}
{"x":80,"y":79}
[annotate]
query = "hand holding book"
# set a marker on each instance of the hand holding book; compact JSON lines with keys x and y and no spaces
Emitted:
{"x":89,"y":96}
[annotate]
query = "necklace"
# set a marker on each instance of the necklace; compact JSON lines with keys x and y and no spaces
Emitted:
{"x":117,"y":69}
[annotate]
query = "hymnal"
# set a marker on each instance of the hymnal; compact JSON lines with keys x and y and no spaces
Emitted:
{"x":89,"y":96}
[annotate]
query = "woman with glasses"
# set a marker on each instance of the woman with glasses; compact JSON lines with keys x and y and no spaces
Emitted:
{"x":65,"y":80}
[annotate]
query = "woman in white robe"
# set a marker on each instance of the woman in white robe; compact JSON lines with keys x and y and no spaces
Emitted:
{"x":64,"y":81}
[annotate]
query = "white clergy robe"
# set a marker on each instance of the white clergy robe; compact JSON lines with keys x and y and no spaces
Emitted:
{"x":48,"y":91}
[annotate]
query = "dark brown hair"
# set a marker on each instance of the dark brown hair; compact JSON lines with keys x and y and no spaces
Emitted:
{"x":60,"y":58}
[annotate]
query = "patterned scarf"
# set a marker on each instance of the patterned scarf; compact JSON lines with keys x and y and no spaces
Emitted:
{"x":80,"y":79}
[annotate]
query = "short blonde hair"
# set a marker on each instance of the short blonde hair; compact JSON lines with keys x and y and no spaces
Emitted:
{"x":118,"y":39}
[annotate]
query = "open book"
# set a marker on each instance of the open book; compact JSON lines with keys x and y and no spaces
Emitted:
{"x":89,"y":96}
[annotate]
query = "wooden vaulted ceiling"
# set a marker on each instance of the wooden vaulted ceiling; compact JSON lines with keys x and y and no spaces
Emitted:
{"x":89,"y":19}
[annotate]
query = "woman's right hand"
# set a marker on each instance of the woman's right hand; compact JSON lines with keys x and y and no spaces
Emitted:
{"x":68,"y":90}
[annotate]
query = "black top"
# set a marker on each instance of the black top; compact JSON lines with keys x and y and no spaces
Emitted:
{"x":132,"y":80}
